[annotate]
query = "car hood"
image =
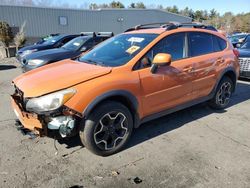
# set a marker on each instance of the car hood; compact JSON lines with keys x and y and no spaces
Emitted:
{"x":51,"y":54}
{"x":37,"y":46}
{"x":244,"y":52}
{"x":57,"y":76}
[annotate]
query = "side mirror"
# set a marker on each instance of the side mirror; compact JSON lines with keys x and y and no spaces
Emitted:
{"x":83,"y":49}
{"x":161,"y":59}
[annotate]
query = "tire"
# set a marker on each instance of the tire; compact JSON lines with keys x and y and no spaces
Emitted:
{"x":223,"y":94}
{"x":107,"y":129}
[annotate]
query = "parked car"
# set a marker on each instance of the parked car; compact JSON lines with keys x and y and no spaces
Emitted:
{"x":237,"y":39}
{"x":125,"y":81}
{"x":244,"y":58}
{"x":43,"y":39}
{"x":53,"y":42}
{"x":71,"y":49}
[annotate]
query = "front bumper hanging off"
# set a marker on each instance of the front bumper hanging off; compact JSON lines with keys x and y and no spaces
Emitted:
{"x":54,"y":126}
{"x":29,"y":121}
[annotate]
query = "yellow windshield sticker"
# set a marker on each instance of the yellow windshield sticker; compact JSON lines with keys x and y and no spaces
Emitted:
{"x":132,"y":49}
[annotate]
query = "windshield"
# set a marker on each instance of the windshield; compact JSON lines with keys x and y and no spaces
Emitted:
{"x":235,"y":38}
{"x":52,"y":40}
{"x":75,"y":44}
{"x":118,"y":50}
{"x":246,"y":45}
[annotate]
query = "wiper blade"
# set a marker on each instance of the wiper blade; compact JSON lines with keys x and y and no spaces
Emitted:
{"x":94,"y":62}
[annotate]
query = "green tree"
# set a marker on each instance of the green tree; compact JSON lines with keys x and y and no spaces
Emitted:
{"x":173,"y":9}
{"x":93,"y":6}
{"x":213,"y":14}
{"x":116,"y":4}
{"x":132,"y":5}
{"x":140,"y":5}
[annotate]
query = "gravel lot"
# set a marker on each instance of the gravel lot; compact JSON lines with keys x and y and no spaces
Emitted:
{"x":196,"y":147}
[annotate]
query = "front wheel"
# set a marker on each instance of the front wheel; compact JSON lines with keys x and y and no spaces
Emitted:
{"x":223,"y":94}
{"x":107,"y":129}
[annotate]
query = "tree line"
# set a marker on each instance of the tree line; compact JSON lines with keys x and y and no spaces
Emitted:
{"x":228,"y":21}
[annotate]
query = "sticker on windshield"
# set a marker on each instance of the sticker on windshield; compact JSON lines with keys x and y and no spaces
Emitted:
{"x":135,"y":39}
{"x":132,"y":49}
{"x":76,"y":44}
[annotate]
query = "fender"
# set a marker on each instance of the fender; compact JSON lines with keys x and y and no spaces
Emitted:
{"x":226,"y":70}
{"x":133,"y":103}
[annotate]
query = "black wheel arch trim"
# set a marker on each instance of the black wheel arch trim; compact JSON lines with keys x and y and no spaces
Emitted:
{"x":223,"y":73}
{"x":116,"y":93}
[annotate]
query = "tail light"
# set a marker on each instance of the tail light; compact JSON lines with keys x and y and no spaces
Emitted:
{"x":236,"y":52}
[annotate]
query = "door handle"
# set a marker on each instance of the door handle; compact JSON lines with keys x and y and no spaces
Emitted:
{"x":188,"y":69}
{"x":220,"y":60}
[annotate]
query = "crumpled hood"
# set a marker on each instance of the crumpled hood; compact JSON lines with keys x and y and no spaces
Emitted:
{"x":57,"y":76}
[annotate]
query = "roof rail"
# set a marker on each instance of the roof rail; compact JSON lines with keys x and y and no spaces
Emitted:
{"x":171,"y":25}
{"x":88,"y":34}
{"x":152,"y":25}
{"x":108,"y":34}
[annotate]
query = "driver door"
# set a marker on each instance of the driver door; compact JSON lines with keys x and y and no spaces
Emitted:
{"x":170,"y":85}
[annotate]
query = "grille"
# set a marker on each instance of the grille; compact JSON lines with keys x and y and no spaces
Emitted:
{"x":244,"y":64}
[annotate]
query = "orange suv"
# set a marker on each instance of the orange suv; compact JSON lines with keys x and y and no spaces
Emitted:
{"x":134,"y":77}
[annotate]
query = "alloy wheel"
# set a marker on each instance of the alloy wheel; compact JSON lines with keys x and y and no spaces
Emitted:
{"x":224,"y":94}
{"x":111,"y":130}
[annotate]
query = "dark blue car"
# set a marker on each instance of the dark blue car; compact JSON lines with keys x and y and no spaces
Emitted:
{"x":71,"y":49}
{"x":244,"y":58}
{"x":53,"y":42}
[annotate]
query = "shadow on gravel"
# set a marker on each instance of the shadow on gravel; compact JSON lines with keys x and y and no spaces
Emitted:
{"x":71,"y":142}
{"x":7,"y":67}
{"x":175,"y":120}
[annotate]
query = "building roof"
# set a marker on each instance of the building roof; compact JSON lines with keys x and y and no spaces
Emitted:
{"x":95,"y":10}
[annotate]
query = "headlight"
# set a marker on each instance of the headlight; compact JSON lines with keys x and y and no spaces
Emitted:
{"x":27,"y":52}
{"x":50,"y":102}
{"x":34,"y":62}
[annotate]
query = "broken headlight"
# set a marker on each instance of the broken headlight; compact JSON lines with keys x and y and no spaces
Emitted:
{"x":49,"y":102}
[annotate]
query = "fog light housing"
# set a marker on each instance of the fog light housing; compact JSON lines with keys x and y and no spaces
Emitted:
{"x":64,"y":124}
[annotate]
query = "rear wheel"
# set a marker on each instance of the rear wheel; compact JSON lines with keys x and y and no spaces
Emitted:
{"x":107,"y":129}
{"x":223,"y":94}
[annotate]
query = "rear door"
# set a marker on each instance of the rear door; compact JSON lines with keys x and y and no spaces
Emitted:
{"x":201,"y":51}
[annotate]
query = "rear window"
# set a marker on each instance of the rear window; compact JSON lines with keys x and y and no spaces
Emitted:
{"x":200,"y":43}
{"x":219,"y":44}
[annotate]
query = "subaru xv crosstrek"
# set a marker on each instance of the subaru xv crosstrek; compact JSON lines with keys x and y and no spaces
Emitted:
{"x":127,"y":80}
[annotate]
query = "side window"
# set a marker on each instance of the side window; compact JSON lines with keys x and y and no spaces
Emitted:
{"x":89,"y":43}
{"x":200,"y":43}
{"x":67,"y":39}
{"x":173,"y":45}
{"x":219,"y":44}
{"x":97,"y":40}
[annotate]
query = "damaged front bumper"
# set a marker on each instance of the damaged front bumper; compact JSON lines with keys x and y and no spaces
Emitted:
{"x":55,"y":125}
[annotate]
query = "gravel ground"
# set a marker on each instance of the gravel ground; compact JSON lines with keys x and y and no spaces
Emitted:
{"x":196,"y":147}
